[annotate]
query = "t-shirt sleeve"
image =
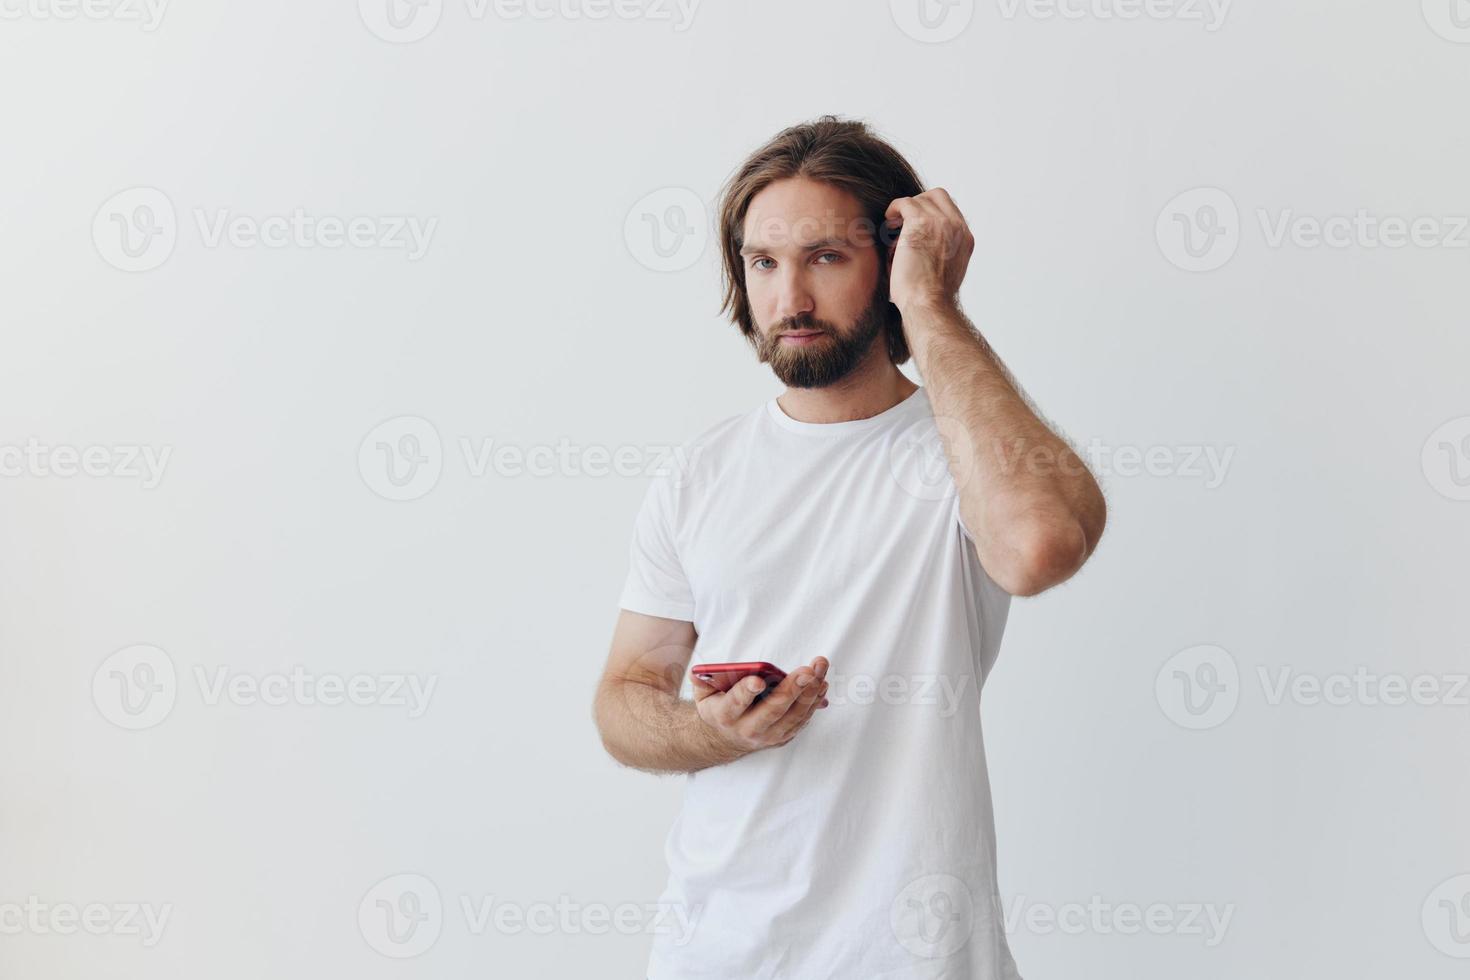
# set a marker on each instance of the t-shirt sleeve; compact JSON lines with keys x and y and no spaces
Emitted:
{"x":994,"y":602}
{"x":656,"y":583}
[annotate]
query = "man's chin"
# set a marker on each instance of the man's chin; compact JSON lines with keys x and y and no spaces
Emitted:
{"x":800,"y":374}
{"x":824,"y":360}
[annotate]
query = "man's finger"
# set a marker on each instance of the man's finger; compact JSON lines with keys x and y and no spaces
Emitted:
{"x":800,"y":713}
{"x":774,"y":705}
{"x":740,"y":697}
{"x":801,"y":708}
{"x":945,"y":203}
{"x":901,"y":208}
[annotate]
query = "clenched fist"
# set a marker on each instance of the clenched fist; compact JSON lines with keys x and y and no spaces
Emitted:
{"x":933,"y":249}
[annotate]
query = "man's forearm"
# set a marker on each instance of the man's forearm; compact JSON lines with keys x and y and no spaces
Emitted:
{"x":1034,"y":508}
{"x":648,"y":728}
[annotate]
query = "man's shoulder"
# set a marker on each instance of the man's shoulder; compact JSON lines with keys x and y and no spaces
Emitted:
{"x":702,"y":456}
{"x":726,"y":429}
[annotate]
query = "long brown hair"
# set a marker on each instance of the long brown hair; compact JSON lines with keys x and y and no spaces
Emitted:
{"x":844,"y":153}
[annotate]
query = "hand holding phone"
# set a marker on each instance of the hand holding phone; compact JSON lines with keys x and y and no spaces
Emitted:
{"x":722,"y":677}
{"x":743,"y":708}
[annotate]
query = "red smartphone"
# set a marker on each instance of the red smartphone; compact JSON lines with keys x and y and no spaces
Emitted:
{"x":722,"y":677}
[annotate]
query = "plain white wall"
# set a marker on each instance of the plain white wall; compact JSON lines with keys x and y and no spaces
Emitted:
{"x":540,"y":314}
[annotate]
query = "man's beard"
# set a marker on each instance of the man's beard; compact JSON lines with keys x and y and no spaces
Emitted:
{"x":824,"y":360}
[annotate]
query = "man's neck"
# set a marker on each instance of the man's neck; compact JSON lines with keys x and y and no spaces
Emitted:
{"x":875,"y":386}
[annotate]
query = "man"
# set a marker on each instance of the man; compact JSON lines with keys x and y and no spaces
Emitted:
{"x":817,"y":529}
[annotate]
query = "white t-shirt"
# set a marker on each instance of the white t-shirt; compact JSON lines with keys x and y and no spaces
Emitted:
{"x":864,"y":847}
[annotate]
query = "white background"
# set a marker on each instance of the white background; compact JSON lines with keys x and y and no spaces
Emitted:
{"x":536,"y":317}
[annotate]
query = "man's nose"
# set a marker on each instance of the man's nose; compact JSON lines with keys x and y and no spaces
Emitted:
{"x":794,"y":297}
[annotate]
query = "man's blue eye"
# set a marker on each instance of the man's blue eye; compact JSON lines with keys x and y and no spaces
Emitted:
{"x":829,"y":254}
{"x":757,"y":262}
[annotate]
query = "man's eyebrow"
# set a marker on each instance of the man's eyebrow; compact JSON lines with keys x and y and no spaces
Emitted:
{"x":821,"y":243}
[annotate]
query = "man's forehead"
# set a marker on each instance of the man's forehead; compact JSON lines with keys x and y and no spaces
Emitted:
{"x":805,"y":228}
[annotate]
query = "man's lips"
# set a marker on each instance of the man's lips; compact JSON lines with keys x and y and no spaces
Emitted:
{"x":801,"y":336}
